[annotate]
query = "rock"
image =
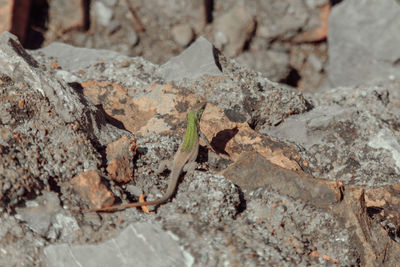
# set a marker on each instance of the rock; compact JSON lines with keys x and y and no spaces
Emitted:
{"x":46,"y":107}
{"x":231,"y":137}
{"x":309,"y":61}
{"x":251,"y":171}
{"x":20,"y":65}
{"x":82,"y":58}
{"x":363,"y":42}
{"x":222,"y":197}
{"x":346,"y":131}
{"x":64,"y":16}
{"x":89,"y":187}
{"x":143,"y":244}
{"x":45,"y":217}
{"x":274,"y":64}
{"x":182,"y":34}
{"x":371,"y":236}
{"x":119,"y":105}
{"x":103,"y":13}
{"x":318,"y":32}
{"x":40,"y":213}
{"x":120,"y":156}
{"x":281,"y":20}
{"x":197,"y":60}
{"x":134,"y":190}
{"x":236,"y":26}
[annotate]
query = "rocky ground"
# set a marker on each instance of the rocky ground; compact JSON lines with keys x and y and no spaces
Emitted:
{"x":299,"y":176}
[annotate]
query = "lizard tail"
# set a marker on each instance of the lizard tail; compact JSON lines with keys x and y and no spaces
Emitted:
{"x":130,"y":205}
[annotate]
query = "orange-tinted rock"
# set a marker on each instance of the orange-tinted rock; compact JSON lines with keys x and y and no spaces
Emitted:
{"x":88,"y":185}
{"x":234,"y":138}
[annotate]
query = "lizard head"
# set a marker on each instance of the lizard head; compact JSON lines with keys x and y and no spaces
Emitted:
{"x":199,"y":110}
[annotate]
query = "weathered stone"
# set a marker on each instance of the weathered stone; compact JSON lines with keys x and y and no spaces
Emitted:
{"x":89,"y":187}
{"x":232,"y":138}
{"x":139,"y":244}
{"x":251,"y":171}
{"x":39,"y":213}
{"x":120,"y":106}
{"x":74,"y":58}
{"x":376,"y":246}
{"x":197,"y":60}
{"x":21,"y":66}
{"x":120,"y":159}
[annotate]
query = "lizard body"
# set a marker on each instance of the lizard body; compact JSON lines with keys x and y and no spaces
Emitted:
{"x":184,"y":160}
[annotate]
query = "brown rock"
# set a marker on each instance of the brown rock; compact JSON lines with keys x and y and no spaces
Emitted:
{"x":375,"y":245}
{"x":252,"y":171}
{"x":88,"y":185}
{"x":120,"y":159}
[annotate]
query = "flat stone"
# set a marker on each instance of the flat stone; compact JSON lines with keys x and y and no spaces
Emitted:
{"x":140,"y":244}
{"x":197,"y":60}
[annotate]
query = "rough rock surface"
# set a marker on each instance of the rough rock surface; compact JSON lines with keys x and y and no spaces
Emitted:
{"x":53,"y":130}
{"x":134,"y":245}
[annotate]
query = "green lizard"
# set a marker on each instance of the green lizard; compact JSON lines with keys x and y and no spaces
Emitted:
{"x":184,"y":160}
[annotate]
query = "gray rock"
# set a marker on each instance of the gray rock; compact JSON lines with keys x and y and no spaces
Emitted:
{"x":274,"y":64}
{"x":349,"y":135}
{"x":197,"y":60}
{"x":182,"y":34}
{"x":234,"y":28}
{"x":22,"y":67}
{"x":140,"y":244}
{"x":281,"y":20}
{"x":134,"y":190}
{"x":45,"y":217}
{"x":39,"y":213}
{"x":363,"y":42}
{"x":221,"y":194}
{"x":103,"y":13}
{"x":74,"y":58}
